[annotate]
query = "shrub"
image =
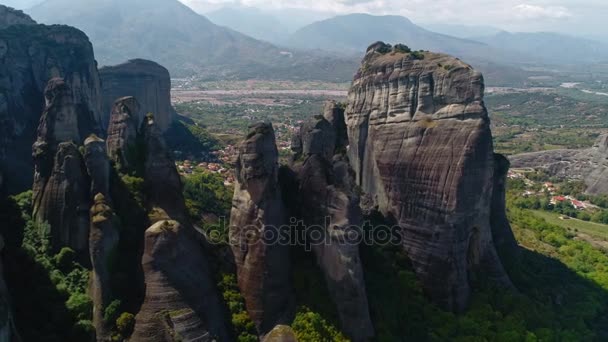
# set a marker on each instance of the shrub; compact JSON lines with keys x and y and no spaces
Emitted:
{"x":111,"y":311}
{"x":80,"y":305}
{"x":310,"y":326}
{"x":125,"y":323}
{"x":64,"y":259}
{"x":417,"y":54}
{"x":402,"y":48}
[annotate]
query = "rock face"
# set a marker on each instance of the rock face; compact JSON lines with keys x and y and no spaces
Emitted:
{"x":421,"y":147}
{"x":502,"y":233}
{"x":163,"y":185}
{"x":327,"y":200}
{"x":103,"y":239}
{"x":98,"y":165}
{"x":61,"y":185}
{"x":122,"y":133}
{"x":31,"y":55}
{"x":589,"y":165}
{"x":263,"y":266}
{"x":10,"y":16}
{"x":147,"y":81}
{"x":181,"y":302}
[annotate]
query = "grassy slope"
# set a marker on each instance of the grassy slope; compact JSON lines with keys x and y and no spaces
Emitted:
{"x":591,"y":228}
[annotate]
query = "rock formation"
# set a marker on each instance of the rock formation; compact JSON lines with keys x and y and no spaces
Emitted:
{"x":103,"y":239}
{"x":61,"y":185}
{"x":98,"y":165}
{"x":181,"y":302}
{"x":281,"y":333}
{"x":589,"y":165}
{"x":122,"y":133}
{"x":263,"y":264}
{"x":421,"y":147}
{"x":163,"y":185}
{"x":502,"y":234}
{"x":327,"y":200}
{"x":147,"y":81}
{"x":29,"y":57}
{"x":10,"y":16}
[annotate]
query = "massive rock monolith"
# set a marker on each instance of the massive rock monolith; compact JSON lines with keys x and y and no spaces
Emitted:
{"x":61,"y":184}
{"x":421,"y":148}
{"x":103,"y":240}
{"x":327,"y":199}
{"x":181,"y":301}
{"x":122,"y":133}
{"x":263,"y":266}
{"x":30,"y":56}
{"x":147,"y":81}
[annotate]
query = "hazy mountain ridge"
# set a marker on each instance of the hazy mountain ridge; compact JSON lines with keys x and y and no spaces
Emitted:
{"x":173,"y":35}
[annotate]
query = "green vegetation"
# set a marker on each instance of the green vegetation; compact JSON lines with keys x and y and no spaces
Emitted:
{"x":576,"y":225}
{"x":205,"y":193}
{"x":243,"y":326}
{"x":48,"y":289}
{"x":310,"y":326}
{"x":402,"y":48}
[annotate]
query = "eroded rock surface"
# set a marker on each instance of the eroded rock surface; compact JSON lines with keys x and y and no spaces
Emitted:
{"x":263,"y":267}
{"x":326,"y":199}
{"x":502,"y":233}
{"x":181,"y":302}
{"x":147,"y":81}
{"x":103,"y":240}
{"x":10,"y":16}
{"x":61,"y":185}
{"x":30,"y":56}
{"x":421,"y":147}
{"x":122,"y":133}
{"x":98,"y":165}
{"x":589,"y":165}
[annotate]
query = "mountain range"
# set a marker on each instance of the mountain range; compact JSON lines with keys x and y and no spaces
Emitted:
{"x":173,"y":35}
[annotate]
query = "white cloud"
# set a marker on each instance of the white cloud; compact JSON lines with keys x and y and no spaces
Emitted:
{"x":527,"y":11}
{"x":516,"y":15}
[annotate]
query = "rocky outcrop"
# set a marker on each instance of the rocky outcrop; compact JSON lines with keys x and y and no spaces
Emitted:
{"x":10,"y":16}
{"x":502,"y":234}
{"x":122,"y":133}
{"x":589,"y":165}
{"x":103,"y":240}
{"x":421,"y":147}
{"x":263,"y":263}
{"x":31,"y":55}
{"x":147,"y":81}
{"x":181,"y":302}
{"x":281,"y":333}
{"x":162,"y":183}
{"x":333,"y":112}
{"x":327,"y":200}
{"x":98,"y":165}
{"x":61,"y":185}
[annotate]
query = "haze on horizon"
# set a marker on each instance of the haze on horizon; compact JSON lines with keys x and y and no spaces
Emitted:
{"x":576,"y":17}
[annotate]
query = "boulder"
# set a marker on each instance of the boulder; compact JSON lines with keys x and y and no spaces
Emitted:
{"x":181,"y":302}
{"x":421,"y":148}
{"x":281,"y":333}
{"x":263,"y":262}
{"x":147,"y":81}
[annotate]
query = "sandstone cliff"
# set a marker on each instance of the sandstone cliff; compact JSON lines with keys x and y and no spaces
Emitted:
{"x":31,"y":55}
{"x":181,"y":302}
{"x":10,"y":16}
{"x":103,"y":240}
{"x":421,"y":147}
{"x":147,"y":81}
{"x":589,"y":165}
{"x":61,"y":185}
{"x":122,"y":133}
{"x":263,"y":266}
{"x":327,"y":199}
